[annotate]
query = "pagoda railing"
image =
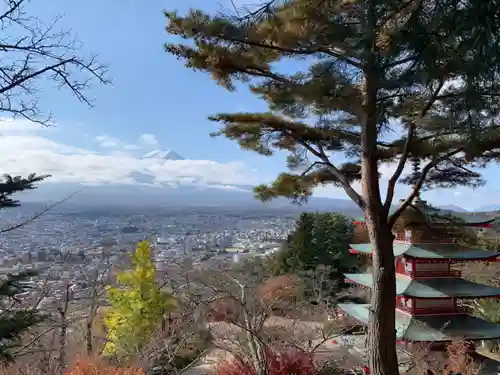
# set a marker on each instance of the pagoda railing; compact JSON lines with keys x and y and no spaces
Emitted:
{"x":431,"y":274}
{"x":401,"y":238}
{"x":434,"y":310}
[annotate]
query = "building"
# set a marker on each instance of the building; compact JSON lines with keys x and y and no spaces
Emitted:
{"x":429,"y":286}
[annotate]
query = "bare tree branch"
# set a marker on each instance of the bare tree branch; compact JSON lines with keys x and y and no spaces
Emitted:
{"x":37,"y":215}
{"x":31,"y":50}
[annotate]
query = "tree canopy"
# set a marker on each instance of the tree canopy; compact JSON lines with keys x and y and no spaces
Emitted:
{"x":137,"y":305}
{"x":351,"y":85}
{"x":319,"y":242}
{"x":15,"y":320}
{"x":426,"y":75}
{"x":11,"y":185}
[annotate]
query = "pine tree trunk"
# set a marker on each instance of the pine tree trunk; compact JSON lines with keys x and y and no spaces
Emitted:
{"x":382,"y":331}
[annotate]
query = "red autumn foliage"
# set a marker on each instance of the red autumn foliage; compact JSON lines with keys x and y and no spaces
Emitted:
{"x":460,"y":359}
{"x":100,"y":368}
{"x":283,"y":287}
{"x":223,"y":310}
{"x":289,"y":362}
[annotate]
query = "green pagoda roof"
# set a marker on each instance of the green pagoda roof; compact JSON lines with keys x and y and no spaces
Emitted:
{"x":432,"y":288}
{"x":437,"y":215}
{"x":445,"y":216}
{"x":432,"y":328}
{"x":433,"y":251}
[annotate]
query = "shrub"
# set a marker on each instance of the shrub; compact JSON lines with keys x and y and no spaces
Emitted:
{"x":224,"y":310}
{"x":284,"y":287}
{"x":289,"y":362}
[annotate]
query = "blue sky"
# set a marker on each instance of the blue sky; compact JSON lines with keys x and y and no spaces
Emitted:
{"x":152,"y":94}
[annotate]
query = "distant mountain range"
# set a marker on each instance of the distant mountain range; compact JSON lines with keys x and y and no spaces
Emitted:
{"x":145,"y":194}
{"x":181,"y":196}
{"x":489,"y":208}
{"x":452,"y":207}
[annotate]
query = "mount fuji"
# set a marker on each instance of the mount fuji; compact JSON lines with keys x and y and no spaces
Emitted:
{"x":163,"y":155}
{"x":146,"y":192}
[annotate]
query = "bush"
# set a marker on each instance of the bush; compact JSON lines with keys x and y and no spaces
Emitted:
{"x":224,"y":310}
{"x":289,"y":362}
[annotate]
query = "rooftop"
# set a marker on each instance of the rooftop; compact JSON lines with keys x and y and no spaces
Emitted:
{"x":432,"y":328}
{"x":438,"y":216}
{"x":432,"y":288}
{"x":433,"y":251}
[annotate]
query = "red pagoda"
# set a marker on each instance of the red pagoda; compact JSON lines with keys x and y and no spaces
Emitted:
{"x":429,"y":287}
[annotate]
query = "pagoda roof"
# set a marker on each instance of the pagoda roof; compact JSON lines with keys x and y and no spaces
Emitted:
{"x":433,"y":251}
{"x":432,"y":328}
{"x":437,"y":216}
{"x":431,"y":288}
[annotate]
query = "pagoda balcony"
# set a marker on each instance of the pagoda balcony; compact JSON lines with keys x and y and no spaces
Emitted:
{"x":434,"y":310}
{"x":427,"y":274}
{"x":402,"y":239}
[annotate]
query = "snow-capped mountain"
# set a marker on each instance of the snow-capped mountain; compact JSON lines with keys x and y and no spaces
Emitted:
{"x":163,"y":155}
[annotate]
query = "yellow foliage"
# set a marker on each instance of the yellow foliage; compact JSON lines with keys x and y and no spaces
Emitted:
{"x":137,"y":305}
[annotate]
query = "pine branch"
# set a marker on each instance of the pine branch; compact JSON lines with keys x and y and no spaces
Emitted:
{"x":400,"y":167}
{"x":418,"y":185}
{"x":11,"y":185}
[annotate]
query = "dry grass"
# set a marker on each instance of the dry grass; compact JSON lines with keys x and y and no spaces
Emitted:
{"x":79,"y":367}
{"x":87,"y":367}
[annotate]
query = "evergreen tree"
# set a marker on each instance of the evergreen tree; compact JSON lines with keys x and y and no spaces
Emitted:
{"x":319,"y":242}
{"x":293,"y":256}
{"x":137,"y":305}
{"x":366,"y":70}
{"x":11,"y":185}
{"x":15,"y":320}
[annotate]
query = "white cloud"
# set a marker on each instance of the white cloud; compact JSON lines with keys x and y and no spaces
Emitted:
{"x":108,"y":142}
{"x":10,"y":126}
{"x":29,"y":152}
{"x":27,"y":148}
{"x":148,"y":139}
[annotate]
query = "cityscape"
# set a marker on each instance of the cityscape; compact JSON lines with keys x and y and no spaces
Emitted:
{"x":65,"y":243}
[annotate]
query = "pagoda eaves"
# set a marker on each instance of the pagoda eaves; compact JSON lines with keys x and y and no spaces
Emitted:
{"x":451,"y":252}
{"x":431,"y":328}
{"x":431,"y":288}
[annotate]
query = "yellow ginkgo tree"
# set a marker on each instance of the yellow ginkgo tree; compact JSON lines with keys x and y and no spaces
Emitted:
{"x":136,"y":305}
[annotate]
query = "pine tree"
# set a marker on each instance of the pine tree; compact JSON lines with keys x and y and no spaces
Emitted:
{"x":11,"y":185}
{"x":292,"y":257}
{"x":15,"y":320}
{"x":137,"y":305}
{"x":365,"y":71}
{"x":319,"y":242}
